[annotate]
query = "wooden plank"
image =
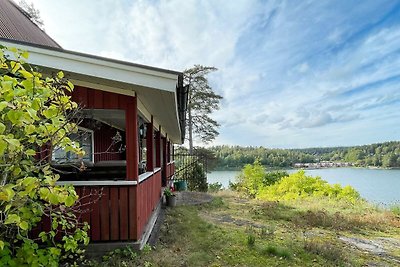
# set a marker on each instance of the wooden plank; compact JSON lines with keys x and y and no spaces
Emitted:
{"x":132,"y":215}
{"x":149,"y":146}
{"x":123,"y":213}
{"x":84,"y":97}
{"x":106,"y":100}
{"x":112,"y":100}
{"x":95,"y":215}
{"x":131,"y":137}
{"x":122,"y":104}
{"x":85,"y":202}
{"x":98,"y":99}
{"x":105,"y":215}
{"x":90,"y":98}
{"x":114,"y":213}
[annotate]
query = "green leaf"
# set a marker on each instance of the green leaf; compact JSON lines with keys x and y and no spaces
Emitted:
{"x":7,"y":85}
{"x":2,"y":244}
{"x":69,"y":201}
{"x":2,"y":128}
{"x":3,"y":147}
{"x":12,"y":218}
{"x":30,"y":152}
{"x":11,"y":141}
{"x":30,"y":129}
{"x":60,"y":75}
{"x":44,"y":193}
{"x":3,"y":105}
{"x":24,"y":225}
{"x":27,"y":84}
{"x":53,"y":199}
{"x":26,"y":74}
{"x":43,"y":236}
{"x":50,"y":113}
{"x":14,"y":116}
{"x":25,"y":54}
{"x":36,"y":104}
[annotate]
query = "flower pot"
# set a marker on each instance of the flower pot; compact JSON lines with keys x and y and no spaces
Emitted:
{"x":171,"y":200}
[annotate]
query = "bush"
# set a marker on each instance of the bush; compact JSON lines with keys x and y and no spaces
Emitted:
{"x":254,"y":177}
{"x":35,"y":115}
{"x":194,"y":173}
{"x":395,"y":209}
{"x":299,"y":185}
{"x":251,"y":179}
{"x":271,"y":178}
{"x":214,"y":187}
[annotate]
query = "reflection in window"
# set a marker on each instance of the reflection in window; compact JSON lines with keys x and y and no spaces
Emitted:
{"x":142,"y":145}
{"x":85,"y":139}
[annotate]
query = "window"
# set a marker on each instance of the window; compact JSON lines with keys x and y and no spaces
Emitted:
{"x":85,"y":138}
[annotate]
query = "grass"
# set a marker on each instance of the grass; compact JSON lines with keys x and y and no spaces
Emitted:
{"x":234,"y":231}
{"x":277,"y":251}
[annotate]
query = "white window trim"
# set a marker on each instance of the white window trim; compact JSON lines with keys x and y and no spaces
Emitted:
{"x":80,"y":128}
{"x":92,"y":134}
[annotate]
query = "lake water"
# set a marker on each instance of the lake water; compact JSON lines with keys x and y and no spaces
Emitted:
{"x":375,"y":185}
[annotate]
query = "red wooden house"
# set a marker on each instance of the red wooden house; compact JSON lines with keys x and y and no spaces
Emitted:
{"x":131,"y":117}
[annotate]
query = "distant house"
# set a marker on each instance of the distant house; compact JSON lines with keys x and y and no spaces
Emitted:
{"x":132,"y":115}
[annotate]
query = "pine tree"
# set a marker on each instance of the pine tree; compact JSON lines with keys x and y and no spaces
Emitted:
{"x":202,"y":101}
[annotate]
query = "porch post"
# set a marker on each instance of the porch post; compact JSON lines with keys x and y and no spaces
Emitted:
{"x":158,"y":147}
{"x":164,"y":161}
{"x":131,"y":136}
{"x":150,"y":146}
{"x":168,"y":151}
{"x":132,"y":162}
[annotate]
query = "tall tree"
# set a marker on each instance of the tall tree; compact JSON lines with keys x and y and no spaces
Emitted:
{"x":34,"y":14}
{"x":202,"y":101}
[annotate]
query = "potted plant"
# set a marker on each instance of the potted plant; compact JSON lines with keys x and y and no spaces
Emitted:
{"x":170,"y":197}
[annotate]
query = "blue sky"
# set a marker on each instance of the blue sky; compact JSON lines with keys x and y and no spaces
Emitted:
{"x":292,"y":73}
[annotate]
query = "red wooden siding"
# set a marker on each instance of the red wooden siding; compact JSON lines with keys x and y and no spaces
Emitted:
{"x":96,"y":99}
{"x":103,"y":140}
{"x":149,"y":195}
{"x":111,"y":211}
{"x":108,"y":211}
{"x":103,"y":134}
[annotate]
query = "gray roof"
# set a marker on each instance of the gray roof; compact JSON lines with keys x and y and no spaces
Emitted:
{"x":15,"y":24}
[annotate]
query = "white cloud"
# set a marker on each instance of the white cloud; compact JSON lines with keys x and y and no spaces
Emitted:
{"x":292,"y":74}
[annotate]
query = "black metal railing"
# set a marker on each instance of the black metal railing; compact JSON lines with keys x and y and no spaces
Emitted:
{"x":192,"y":168}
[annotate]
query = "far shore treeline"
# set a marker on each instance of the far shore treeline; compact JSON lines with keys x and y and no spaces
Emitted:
{"x":384,"y":155}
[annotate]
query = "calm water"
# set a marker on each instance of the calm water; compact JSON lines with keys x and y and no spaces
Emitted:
{"x":377,"y":186}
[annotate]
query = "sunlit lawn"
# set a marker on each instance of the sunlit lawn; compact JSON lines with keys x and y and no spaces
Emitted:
{"x":232,"y":231}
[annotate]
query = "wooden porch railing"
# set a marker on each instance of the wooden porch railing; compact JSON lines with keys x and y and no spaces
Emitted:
{"x":118,"y":210}
{"x":170,"y":170}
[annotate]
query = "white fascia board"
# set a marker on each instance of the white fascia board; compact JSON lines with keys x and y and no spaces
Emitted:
{"x":86,"y":65}
{"x":103,"y":87}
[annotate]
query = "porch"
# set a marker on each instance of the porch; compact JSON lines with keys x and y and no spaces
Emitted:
{"x":127,"y":162}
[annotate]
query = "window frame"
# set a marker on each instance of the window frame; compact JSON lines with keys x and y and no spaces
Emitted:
{"x":86,"y":130}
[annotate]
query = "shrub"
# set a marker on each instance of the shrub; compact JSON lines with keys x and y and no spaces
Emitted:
{"x":214,"y":187}
{"x":251,"y":179}
{"x":271,"y":178}
{"x":299,"y":185}
{"x":34,"y":115}
{"x":194,"y":173}
{"x":325,"y":249}
{"x":395,"y":209}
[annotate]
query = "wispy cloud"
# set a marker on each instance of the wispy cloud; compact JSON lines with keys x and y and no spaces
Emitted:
{"x":292,"y":73}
